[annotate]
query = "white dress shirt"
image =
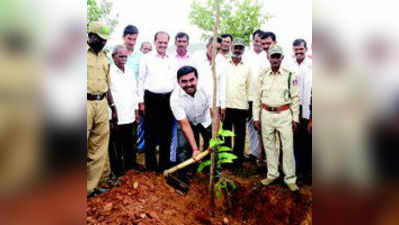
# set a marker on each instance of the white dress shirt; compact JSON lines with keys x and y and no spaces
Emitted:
{"x":205,"y":76}
{"x":307,"y":93}
{"x":257,"y":62}
{"x":302,"y":71}
{"x":156,"y":75}
{"x":180,"y":61}
{"x":124,"y":92}
{"x":196,"y":109}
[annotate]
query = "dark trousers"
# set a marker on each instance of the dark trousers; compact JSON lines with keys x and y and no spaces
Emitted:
{"x":303,"y":150}
{"x":184,"y":150}
{"x":158,"y":120}
{"x":122,"y":148}
{"x":236,"y":118}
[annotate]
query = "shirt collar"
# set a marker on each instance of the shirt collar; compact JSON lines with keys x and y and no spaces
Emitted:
{"x":182,"y":93}
{"x":186,"y":56}
{"x":159,"y":56}
{"x":232,"y":63}
{"x":116,"y":69}
{"x":271,"y":72}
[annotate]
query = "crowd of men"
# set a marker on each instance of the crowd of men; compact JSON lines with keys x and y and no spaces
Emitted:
{"x":261,"y":91}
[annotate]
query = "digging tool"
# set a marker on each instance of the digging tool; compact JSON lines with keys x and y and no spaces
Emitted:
{"x":173,"y":180}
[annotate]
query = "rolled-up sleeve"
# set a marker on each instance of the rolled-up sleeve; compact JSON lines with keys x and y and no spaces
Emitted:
{"x":177,"y":108}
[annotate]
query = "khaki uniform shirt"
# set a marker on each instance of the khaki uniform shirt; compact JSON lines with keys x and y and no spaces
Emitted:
{"x":238,"y":85}
{"x":98,"y":79}
{"x":273,"y":91}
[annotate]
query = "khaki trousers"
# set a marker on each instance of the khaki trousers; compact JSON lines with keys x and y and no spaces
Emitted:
{"x":97,"y":143}
{"x":281,"y":122}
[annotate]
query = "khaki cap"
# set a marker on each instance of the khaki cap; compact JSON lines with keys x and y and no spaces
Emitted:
{"x":100,"y":29}
{"x":275,"y":49}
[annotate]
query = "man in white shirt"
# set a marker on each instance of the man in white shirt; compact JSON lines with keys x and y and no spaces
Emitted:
{"x":238,"y":88}
{"x":302,"y":66}
{"x":257,"y":59}
{"x":227,"y":40}
{"x":156,"y":82}
{"x":191,"y":106}
{"x":268,"y":39}
{"x":181,"y":59}
{"x":202,"y":61}
{"x":123,"y":87}
{"x":146,"y":47}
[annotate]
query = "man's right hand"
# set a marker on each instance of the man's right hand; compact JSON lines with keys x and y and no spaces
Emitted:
{"x":257,"y":125}
{"x":142,"y":108}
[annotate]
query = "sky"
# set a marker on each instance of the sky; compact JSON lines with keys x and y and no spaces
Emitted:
{"x":291,"y":19}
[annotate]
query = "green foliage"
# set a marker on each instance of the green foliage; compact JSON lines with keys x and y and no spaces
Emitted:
{"x":101,"y":12}
{"x":203,"y":165}
{"x":240,"y":18}
{"x":214,"y":142}
{"x":224,"y":185}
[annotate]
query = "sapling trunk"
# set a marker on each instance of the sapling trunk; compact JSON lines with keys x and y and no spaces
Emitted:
{"x":215,"y":116}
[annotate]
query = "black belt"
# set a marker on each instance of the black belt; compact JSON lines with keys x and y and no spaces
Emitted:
{"x":147,"y":92}
{"x":97,"y":97}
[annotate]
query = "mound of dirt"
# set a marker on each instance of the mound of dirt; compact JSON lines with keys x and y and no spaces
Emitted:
{"x":146,"y":199}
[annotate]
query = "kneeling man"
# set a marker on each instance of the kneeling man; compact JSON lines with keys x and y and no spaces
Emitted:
{"x":191,"y":106}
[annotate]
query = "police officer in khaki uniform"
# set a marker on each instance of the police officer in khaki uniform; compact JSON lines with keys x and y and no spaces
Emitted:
{"x":98,"y":81}
{"x":276,"y":108}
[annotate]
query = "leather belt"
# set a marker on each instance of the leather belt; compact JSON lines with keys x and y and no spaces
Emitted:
{"x":276,"y":109}
{"x":97,"y":97}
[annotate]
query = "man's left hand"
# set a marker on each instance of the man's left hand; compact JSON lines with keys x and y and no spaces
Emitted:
{"x":295,"y":126}
{"x":114,"y":117}
{"x":310,"y":126}
{"x":137,"y":117}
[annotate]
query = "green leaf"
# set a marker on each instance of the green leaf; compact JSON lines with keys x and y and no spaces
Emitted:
{"x":232,"y":184}
{"x":215,"y":142}
{"x":226,"y":161}
{"x":218,"y":194}
{"x":225,"y":149}
{"x":226,"y":155}
{"x":226,"y":133}
{"x":203,"y":165}
{"x":220,"y":127}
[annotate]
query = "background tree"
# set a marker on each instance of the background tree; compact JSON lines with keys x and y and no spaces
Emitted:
{"x":101,"y":11}
{"x":237,"y":17}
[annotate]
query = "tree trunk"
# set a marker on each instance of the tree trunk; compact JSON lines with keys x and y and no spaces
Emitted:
{"x":215,"y":116}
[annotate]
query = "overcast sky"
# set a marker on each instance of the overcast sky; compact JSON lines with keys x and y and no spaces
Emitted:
{"x":292,"y":19}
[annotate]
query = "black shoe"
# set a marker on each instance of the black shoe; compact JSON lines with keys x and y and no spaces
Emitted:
{"x":251,"y":158}
{"x":101,"y":190}
{"x":97,"y":191}
{"x":138,"y":167}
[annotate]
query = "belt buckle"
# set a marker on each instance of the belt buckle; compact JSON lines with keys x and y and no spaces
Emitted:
{"x":273,"y":109}
{"x":98,"y":97}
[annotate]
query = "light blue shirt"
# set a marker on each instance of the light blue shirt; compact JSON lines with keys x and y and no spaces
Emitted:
{"x":132,"y":63}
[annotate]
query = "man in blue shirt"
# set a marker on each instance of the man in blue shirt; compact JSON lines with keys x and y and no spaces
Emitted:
{"x":130,"y":35}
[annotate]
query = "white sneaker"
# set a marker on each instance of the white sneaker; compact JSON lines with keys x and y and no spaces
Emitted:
{"x":267,"y":181}
{"x":293,"y":187}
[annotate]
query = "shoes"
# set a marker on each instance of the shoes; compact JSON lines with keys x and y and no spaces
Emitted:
{"x":252,"y":158}
{"x":137,"y":167}
{"x":97,"y":191}
{"x":293,"y":187}
{"x":267,"y":181}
